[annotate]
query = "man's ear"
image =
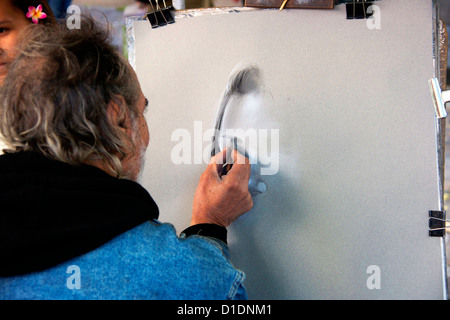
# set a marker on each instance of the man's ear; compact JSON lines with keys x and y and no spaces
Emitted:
{"x":117,"y":114}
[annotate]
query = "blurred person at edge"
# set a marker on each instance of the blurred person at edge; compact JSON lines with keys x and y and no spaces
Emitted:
{"x":13,"y":19}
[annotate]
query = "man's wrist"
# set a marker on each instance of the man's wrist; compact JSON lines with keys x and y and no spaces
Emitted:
{"x":206,"y":230}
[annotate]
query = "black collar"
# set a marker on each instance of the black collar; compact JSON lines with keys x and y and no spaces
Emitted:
{"x":51,"y":211}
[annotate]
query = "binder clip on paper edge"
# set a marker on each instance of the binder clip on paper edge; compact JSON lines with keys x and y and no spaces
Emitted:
{"x":358,"y":9}
{"x":440,"y":98}
{"x":437,"y":223}
{"x":161,"y":16}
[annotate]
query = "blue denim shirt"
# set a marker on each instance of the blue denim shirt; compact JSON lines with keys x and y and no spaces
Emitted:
{"x":147,"y":262}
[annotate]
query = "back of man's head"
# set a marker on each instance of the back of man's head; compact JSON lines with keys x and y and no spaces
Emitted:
{"x":56,"y":95}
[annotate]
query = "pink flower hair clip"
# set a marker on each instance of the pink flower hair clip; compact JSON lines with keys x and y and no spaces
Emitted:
{"x":36,"y":13}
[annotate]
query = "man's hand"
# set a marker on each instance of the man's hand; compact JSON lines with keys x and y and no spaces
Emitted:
{"x":222,"y":199}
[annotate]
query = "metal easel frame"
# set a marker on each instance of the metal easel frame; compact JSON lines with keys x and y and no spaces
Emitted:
{"x":440,"y":38}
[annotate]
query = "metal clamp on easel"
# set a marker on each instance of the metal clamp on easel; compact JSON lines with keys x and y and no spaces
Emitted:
{"x":358,"y":9}
{"x":436,"y":223}
{"x":440,"y":98}
{"x":161,"y":16}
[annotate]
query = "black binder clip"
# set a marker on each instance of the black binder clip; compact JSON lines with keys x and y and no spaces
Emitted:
{"x":161,"y":16}
{"x":436,"y":223}
{"x":358,"y":9}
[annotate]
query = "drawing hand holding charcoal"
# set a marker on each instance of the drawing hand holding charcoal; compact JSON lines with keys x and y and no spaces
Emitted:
{"x":222,"y":199}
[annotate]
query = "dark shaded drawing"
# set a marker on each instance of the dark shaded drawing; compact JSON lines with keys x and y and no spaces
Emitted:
{"x":240,"y":100}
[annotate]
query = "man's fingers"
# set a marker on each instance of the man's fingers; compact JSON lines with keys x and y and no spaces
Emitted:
{"x":241,"y":166}
{"x":216,"y":163}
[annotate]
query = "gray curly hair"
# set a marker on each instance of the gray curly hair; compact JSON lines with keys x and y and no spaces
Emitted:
{"x":54,"y":99}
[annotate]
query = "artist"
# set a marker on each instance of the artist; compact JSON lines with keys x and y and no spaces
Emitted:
{"x":74,"y":223}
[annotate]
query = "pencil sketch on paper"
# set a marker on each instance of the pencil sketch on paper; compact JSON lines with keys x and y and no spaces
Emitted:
{"x":238,"y":124}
